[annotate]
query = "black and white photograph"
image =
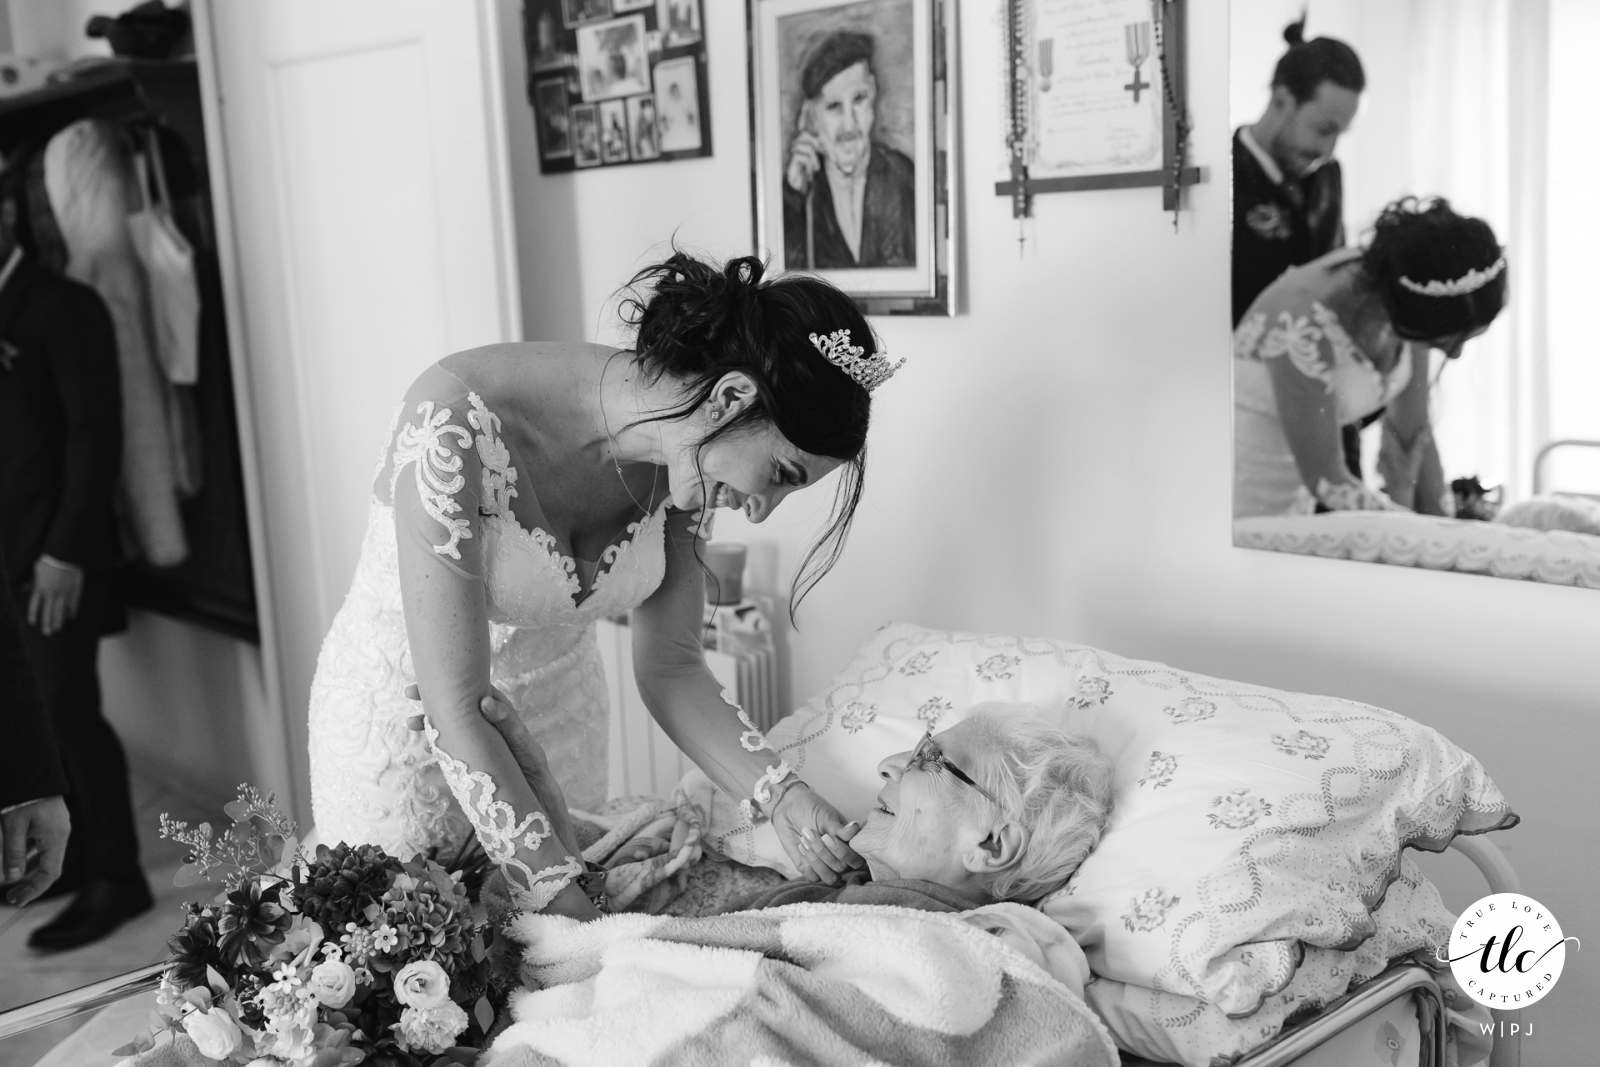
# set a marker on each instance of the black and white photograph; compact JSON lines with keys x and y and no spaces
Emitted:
{"x":1073,"y":539}
{"x":850,"y":182}
{"x":644,"y":138}
{"x":542,"y":37}
{"x":678,"y":105}
{"x":555,"y":124}
{"x":586,"y":147}
{"x":577,"y":12}
{"x":678,"y":22}
{"x":612,"y":58}
{"x":613,"y":131}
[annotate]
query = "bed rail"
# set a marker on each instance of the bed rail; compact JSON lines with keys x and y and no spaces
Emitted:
{"x":1544,"y":453}
{"x":95,"y":995}
{"x":1411,"y":979}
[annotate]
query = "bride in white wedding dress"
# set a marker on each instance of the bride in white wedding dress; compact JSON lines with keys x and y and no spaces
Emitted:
{"x":528,"y":490}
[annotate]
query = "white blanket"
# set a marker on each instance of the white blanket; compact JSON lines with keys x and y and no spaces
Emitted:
{"x":800,"y":984}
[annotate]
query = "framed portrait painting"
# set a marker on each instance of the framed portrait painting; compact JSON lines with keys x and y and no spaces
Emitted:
{"x":854,"y":146}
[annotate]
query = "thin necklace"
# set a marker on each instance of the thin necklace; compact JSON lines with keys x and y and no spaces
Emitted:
{"x":606,"y":422}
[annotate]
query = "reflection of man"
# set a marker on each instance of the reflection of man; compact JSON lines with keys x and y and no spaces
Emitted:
{"x":1288,"y":191}
{"x":860,"y":211}
{"x":1288,"y":196}
{"x":60,"y":454}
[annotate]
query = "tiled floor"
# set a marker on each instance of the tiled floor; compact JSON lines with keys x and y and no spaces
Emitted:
{"x":26,"y":975}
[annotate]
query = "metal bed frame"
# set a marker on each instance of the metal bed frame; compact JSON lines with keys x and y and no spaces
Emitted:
{"x":1411,"y":980}
{"x":1544,"y":453}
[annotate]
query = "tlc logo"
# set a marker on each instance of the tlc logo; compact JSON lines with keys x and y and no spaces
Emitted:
{"x":1507,"y":950}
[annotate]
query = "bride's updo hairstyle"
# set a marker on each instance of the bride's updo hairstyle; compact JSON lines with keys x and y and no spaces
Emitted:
{"x":697,"y":321}
{"x":1437,"y":272}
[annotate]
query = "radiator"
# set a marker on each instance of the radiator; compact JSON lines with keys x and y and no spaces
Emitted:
{"x":644,"y":761}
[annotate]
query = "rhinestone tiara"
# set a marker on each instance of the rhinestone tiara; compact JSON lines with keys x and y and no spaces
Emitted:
{"x":869,"y":371}
{"x":1469,"y":282}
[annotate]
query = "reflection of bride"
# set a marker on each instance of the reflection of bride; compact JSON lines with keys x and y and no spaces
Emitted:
{"x":1333,"y":342}
{"x":533,"y":489}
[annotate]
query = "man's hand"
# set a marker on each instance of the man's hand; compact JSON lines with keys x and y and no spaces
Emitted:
{"x":44,"y":824}
{"x":806,"y":154}
{"x":53,"y":602}
{"x":497,"y":708}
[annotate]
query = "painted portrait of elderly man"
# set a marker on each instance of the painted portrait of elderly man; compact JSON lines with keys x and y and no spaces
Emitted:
{"x":849,"y":194}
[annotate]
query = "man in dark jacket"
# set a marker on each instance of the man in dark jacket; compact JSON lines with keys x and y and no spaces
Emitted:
{"x":849,"y":200}
{"x":60,"y":457}
{"x":1288,"y":190}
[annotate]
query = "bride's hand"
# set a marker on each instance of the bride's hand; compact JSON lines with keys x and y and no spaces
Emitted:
{"x":815,"y":835}
{"x":497,"y":708}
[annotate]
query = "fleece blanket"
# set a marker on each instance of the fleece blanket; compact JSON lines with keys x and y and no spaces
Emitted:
{"x":817,"y":983}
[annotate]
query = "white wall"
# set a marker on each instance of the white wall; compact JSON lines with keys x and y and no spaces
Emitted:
{"x":1056,"y":462}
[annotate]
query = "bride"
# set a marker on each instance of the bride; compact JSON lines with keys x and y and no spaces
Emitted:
{"x":532,"y":489}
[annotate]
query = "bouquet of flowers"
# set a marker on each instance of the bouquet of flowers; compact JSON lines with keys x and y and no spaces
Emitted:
{"x":343,"y":957}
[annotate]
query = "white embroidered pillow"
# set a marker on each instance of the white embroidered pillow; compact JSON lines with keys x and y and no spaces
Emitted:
{"x":1249,"y":822}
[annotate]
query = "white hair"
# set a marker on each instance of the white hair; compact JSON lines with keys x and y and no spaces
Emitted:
{"x":1055,"y":785}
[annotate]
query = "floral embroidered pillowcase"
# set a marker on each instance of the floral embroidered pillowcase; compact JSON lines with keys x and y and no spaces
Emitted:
{"x":1249,"y":823}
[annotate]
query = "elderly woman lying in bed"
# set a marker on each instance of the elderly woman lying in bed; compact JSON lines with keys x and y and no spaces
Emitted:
{"x":1002,"y":806}
{"x":977,"y":819}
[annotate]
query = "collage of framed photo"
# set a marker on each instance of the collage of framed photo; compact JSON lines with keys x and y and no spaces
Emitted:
{"x":854,"y":146}
{"x":617,"y":81}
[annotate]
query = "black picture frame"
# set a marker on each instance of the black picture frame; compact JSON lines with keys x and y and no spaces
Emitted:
{"x":588,"y":58}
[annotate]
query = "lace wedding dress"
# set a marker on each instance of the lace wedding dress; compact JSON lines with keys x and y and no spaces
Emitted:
{"x":375,"y":780}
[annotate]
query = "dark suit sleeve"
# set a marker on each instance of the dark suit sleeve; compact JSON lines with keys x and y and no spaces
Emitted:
{"x":29,"y":766}
{"x":83,"y":361}
{"x":794,"y":228}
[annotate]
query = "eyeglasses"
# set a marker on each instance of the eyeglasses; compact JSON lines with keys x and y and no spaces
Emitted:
{"x":929,"y":754}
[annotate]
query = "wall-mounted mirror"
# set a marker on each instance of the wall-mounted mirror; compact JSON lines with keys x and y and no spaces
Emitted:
{"x":1416,"y":381}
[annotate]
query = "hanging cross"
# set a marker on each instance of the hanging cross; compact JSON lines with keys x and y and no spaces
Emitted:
{"x":1136,"y":35}
{"x":1137,"y":84}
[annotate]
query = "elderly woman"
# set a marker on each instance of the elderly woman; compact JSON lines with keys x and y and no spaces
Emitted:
{"x":1002,"y":806}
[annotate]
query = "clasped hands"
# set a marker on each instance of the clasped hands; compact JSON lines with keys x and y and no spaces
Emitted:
{"x":812,"y":832}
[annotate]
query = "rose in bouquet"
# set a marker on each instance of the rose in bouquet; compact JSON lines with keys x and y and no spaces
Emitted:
{"x":343,"y":957}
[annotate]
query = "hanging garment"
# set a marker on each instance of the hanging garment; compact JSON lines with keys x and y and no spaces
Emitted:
{"x":92,"y":191}
{"x":169,"y":269}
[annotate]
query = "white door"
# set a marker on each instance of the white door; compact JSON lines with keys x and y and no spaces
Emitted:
{"x":362,"y":158}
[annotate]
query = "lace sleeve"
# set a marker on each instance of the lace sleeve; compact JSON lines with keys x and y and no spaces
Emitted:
{"x":502,"y":834}
{"x":434,"y":484}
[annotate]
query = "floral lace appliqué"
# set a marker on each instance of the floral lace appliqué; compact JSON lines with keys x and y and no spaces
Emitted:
{"x":496,"y":823}
{"x":1297,"y":338}
{"x":437,"y":468}
{"x":499,"y":476}
{"x":918,"y":663}
{"x":1247,"y":335}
